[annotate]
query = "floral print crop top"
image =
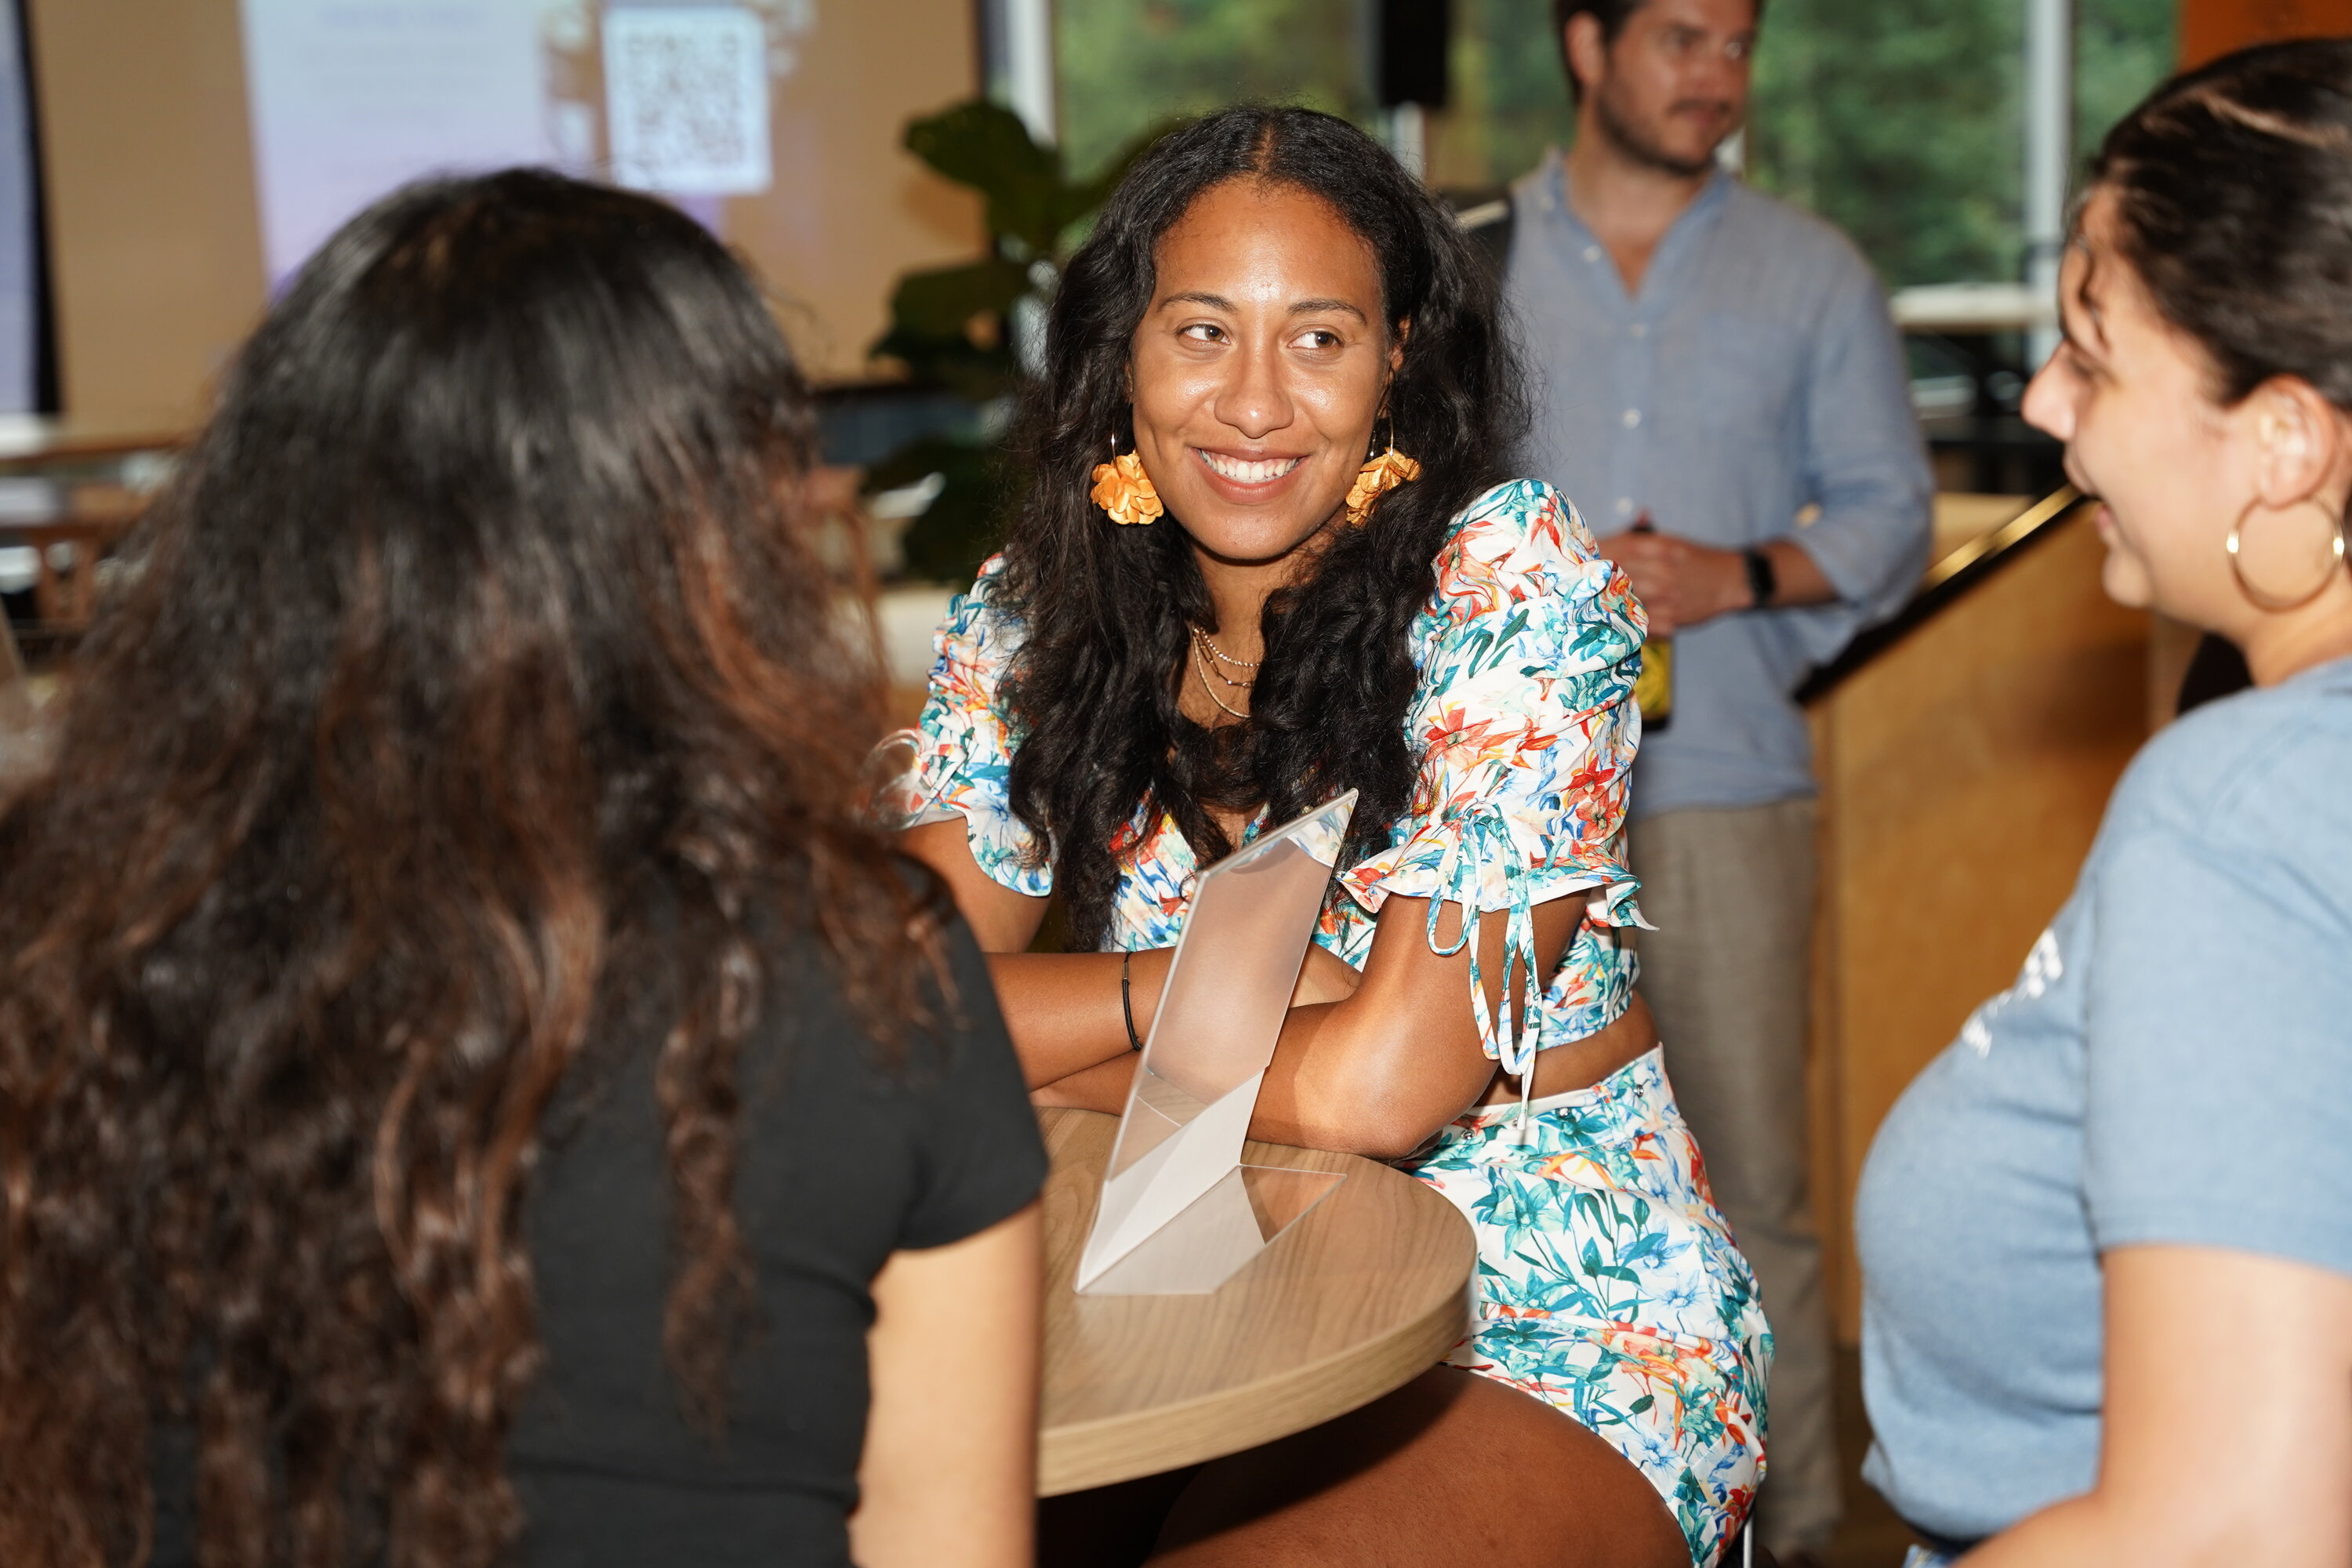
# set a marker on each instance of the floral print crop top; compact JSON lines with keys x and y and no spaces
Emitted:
{"x":1525,"y":727}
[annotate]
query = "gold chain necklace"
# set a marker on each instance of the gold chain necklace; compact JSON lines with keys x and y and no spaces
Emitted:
{"x":1200,"y":639}
{"x":1201,"y":665}
{"x":1221,"y":656}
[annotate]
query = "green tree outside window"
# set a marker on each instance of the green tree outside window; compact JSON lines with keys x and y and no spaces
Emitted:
{"x":1125,"y":65}
{"x":1897,"y":120}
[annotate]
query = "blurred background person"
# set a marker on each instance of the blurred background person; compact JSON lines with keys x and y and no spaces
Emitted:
{"x":467,"y":1082}
{"x":2106,"y":1236}
{"x":1710,"y":364}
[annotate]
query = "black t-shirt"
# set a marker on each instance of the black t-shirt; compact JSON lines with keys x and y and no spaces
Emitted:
{"x":842,"y":1161}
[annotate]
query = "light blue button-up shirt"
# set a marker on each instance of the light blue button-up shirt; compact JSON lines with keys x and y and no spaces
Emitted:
{"x":1756,"y":375}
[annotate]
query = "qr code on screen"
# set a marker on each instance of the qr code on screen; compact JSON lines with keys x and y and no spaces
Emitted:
{"x":685,"y":94}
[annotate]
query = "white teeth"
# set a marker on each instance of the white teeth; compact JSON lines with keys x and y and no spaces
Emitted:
{"x":1249,"y":473}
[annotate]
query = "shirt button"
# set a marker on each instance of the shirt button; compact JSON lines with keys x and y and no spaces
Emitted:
{"x":1591,"y":253}
{"x":1625,"y":505}
{"x":1633,"y":418}
{"x":1641,"y":329}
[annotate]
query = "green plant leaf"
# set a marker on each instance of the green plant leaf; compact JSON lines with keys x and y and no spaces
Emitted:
{"x":920,"y":458}
{"x":985,"y":145}
{"x":939,"y":301}
{"x":981,"y":144}
{"x":964,"y":524}
{"x":965,"y":368}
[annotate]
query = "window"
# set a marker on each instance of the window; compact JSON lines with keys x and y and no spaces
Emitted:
{"x":2122,"y":50}
{"x":1902,"y":123}
{"x":1122,"y":66}
{"x":1897,"y":120}
{"x":1510,"y":96}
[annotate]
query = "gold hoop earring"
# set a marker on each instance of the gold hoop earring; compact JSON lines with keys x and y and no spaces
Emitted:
{"x":1382,"y":473}
{"x":2262,"y":598}
{"x":1124,"y":491}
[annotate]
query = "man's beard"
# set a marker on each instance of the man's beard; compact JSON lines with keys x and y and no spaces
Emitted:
{"x":1636,"y":145}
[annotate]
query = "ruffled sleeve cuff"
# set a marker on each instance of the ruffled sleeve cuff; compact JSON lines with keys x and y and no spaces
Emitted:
{"x":963,"y":744}
{"x":1527,"y":729}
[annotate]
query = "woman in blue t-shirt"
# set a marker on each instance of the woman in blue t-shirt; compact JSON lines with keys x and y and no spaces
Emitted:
{"x":2106,"y":1236}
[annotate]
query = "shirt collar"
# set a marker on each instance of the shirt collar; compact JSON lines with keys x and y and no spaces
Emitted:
{"x":1551,"y":199}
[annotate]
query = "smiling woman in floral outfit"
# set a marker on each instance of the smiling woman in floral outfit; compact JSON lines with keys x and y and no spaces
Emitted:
{"x":1270,"y":554}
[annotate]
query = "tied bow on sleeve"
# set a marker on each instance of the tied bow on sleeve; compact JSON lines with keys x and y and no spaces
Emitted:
{"x":1483,"y":839}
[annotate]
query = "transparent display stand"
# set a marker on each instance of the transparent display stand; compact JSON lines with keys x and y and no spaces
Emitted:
{"x":1180,"y":1212}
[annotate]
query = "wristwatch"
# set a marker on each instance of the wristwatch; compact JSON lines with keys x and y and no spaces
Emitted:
{"x":1762,"y":581}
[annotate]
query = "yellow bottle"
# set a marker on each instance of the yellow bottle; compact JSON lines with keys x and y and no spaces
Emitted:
{"x":1654,"y":689}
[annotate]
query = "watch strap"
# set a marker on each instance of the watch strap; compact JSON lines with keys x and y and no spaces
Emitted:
{"x":1763,"y":582}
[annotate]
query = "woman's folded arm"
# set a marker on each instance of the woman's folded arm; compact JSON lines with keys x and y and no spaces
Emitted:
{"x":1380,"y":1072}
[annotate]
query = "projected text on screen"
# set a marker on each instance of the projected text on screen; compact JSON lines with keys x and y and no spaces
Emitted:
{"x":348,"y":98}
{"x":351,"y":99}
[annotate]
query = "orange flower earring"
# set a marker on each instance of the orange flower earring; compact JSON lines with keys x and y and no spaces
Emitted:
{"x":1123,"y":490}
{"x":1382,"y":473}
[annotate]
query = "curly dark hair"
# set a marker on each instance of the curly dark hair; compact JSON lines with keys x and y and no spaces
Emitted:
{"x":1108,"y":610}
{"x":476,"y":628}
{"x":2230,"y":183}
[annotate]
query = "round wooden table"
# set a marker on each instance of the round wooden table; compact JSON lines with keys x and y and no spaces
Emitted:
{"x":1367,"y":1290}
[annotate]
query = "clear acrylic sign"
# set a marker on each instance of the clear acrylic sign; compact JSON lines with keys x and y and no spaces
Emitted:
{"x":1180,"y":1212}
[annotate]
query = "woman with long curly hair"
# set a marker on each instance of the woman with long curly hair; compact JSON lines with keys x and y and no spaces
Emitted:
{"x":1271,"y":552}
{"x":441,"y":961}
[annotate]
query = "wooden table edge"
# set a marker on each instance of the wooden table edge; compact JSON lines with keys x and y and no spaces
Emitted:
{"x":1103,"y":1451}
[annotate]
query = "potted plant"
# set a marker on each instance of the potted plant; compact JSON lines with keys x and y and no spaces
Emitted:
{"x":975,"y":327}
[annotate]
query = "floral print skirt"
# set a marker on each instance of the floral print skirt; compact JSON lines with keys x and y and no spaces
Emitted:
{"x":1609,"y":1287}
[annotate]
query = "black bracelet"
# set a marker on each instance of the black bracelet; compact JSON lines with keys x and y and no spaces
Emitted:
{"x":1126,"y":1003}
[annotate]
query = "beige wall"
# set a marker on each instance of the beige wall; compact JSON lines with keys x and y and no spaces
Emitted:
{"x":851,"y":209}
{"x":1964,"y":772}
{"x":156,"y":253}
{"x":155,"y":242}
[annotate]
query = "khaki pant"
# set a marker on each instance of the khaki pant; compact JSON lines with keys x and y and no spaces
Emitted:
{"x":1729,"y":975}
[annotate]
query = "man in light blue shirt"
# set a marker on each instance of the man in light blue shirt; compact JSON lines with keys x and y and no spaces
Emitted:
{"x":1719,"y":369}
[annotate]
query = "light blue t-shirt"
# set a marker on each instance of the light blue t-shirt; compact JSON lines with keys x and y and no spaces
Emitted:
{"x":2173,"y":1065}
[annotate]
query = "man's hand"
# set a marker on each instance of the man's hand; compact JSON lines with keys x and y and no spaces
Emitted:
{"x":1679,"y":583}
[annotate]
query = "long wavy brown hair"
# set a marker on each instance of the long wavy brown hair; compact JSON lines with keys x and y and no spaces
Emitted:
{"x":476,"y":627}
